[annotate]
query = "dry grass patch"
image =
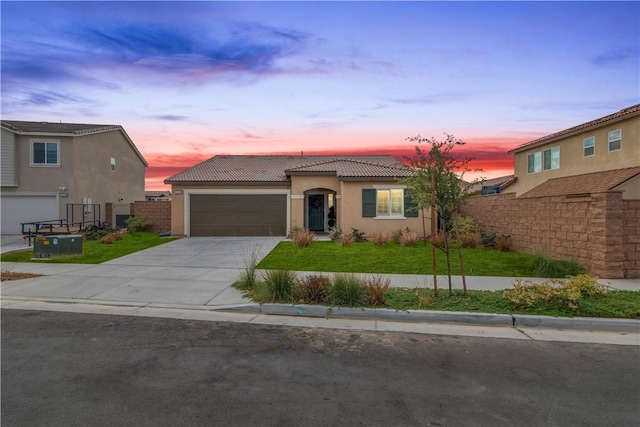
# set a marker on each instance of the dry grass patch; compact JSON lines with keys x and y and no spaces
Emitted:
{"x":12,"y":275}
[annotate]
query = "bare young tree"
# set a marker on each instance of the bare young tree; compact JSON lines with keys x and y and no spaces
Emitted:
{"x":437,"y":183}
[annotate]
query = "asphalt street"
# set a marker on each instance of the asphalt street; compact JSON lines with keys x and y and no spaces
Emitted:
{"x":73,"y":369}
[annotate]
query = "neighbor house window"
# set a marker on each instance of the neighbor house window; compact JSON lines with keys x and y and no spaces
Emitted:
{"x":113,"y":164}
{"x":589,"y":146}
{"x":45,"y":153}
{"x":534,"y":162}
{"x":387,"y":203}
{"x":552,"y":158}
{"x":615,"y":140}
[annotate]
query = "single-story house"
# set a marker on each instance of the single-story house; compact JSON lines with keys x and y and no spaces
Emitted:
{"x":246,"y":195}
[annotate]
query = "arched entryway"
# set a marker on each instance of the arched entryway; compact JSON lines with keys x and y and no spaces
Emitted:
{"x":320,"y":209}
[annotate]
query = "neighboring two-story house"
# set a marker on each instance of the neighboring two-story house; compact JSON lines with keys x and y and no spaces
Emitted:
{"x":48,"y":166}
{"x":605,"y":144}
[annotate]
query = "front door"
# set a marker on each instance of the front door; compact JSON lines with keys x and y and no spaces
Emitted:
{"x":316,"y":212}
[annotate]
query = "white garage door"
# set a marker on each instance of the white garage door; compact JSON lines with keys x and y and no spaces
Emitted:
{"x":17,"y":209}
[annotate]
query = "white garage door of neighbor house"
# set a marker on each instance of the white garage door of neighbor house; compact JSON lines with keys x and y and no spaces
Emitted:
{"x":18,"y":209}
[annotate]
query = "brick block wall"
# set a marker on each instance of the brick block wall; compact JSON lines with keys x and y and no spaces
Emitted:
{"x":108,"y":213}
{"x":157,"y":213}
{"x":601,"y":232}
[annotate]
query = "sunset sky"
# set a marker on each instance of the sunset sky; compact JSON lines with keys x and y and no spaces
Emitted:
{"x":189,"y":80}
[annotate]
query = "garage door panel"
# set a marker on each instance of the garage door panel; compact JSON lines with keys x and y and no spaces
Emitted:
{"x":19,"y":209}
{"x":238,"y":215}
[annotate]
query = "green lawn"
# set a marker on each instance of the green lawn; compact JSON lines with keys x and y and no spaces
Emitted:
{"x":94,"y":251}
{"x":392,"y":258}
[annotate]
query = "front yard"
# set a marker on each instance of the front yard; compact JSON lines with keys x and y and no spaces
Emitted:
{"x":393,"y":258}
{"x":580,"y":295}
{"x":95,"y":251}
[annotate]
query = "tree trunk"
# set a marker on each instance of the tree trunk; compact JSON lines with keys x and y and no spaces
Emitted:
{"x":424,"y":228}
{"x":464,"y":280}
{"x":446,"y":251}
{"x":433,"y":235}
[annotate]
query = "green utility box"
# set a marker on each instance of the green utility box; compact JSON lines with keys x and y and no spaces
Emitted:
{"x":48,"y":246}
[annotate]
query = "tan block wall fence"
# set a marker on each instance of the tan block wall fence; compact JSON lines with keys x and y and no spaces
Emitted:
{"x":601,"y":232}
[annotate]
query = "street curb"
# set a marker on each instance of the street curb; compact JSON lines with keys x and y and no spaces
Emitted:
{"x":584,"y":323}
{"x":516,"y":320}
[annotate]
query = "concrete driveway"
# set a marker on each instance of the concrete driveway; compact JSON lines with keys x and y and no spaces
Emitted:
{"x":191,"y":271}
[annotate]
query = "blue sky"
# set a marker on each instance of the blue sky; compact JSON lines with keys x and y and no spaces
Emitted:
{"x":189,"y":80}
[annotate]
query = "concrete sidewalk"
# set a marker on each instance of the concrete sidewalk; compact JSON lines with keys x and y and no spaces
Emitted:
{"x":194,"y":275}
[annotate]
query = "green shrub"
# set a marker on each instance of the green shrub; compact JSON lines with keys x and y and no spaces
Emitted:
{"x":98,"y":233}
{"x":375,"y":288}
{"x":488,"y":240}
{"x":544,"y":266}
{"x":314,"y":289}
{"x":466,"y":224}
{"x":335,"y":233}
{"x":347,"y":290}
{"x":138,"y":223}
{"x":281,"y":285}
{"x":358,"y":236}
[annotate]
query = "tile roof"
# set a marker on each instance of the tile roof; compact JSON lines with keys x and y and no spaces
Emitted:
{"x":502,"y":181}
{"x":62,"y":128}
{"x":71,"y":129}
{"x":275,"y":168}
{"x":350,"y":168}
{"x":595,"y":182}
{"x":630,"y":111}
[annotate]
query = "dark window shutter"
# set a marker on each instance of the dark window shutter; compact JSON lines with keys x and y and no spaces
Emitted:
{"x":410,"y":208}
{"x":369,"y":203}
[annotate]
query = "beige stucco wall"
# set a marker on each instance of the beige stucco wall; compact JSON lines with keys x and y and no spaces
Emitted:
{"x":84,"y":170}
{"x":350,"y":211}
{"x":42,"y":180}
{"x":93,"y":177}
{"x":572,"y":160}
{"x":630,"y":189}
